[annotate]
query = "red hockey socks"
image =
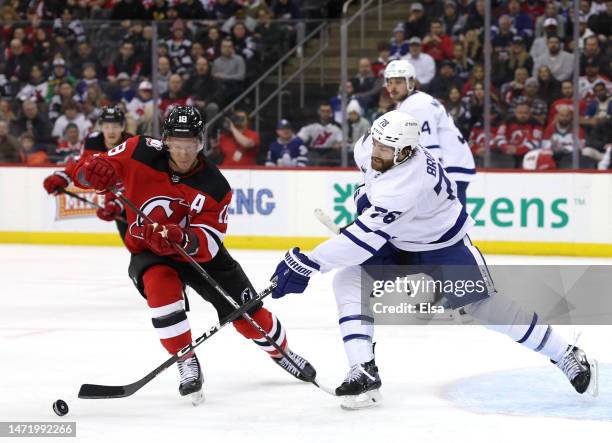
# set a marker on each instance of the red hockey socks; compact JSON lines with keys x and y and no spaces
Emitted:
{"x":271,"y":325}
{"x":164,"y":291}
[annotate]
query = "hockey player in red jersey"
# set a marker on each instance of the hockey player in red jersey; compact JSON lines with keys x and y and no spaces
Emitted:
{"x":112,"y":132}
{"x":187,"y":197}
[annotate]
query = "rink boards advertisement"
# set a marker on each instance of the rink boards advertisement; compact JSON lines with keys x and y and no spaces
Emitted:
{"x":515,"y":212}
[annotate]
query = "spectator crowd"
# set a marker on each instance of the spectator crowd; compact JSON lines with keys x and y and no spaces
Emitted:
{"x":63,"y":61}
{"x":59,"y":69}
{"x":531,"y":79}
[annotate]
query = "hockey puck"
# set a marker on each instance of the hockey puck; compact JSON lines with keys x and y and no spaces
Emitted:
{"x":60,"y":407}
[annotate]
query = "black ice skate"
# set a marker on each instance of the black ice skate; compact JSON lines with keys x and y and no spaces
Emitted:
{"x":360,"y":387}
{"x":191,"y":378}
{"x":582,"y":374}
{"x":307,"y":373}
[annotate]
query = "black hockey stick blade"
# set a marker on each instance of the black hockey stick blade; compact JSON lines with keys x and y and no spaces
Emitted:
{"x":89,"y":391}
{"x":103,"y":391}
{"x":100,"y":391}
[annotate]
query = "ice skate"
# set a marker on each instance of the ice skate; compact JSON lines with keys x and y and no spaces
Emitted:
{"x":308,"y":372}
{"x":191,"y":379}
{"x":360,"y":387}
{"x":582,"y":374}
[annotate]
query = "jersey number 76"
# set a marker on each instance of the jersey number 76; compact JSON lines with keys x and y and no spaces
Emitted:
{"x":449,"y":186}
{"x":389,"y":216}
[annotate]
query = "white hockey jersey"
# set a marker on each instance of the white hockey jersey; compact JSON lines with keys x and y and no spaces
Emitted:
{"x":414,"y":207}
{"x":319,"y":136}
{"x":440,"y":135}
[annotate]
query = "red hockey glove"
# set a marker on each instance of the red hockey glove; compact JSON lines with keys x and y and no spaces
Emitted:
{"x":58,"y":181}
{"x":110,"y":211}
{"x":100,"y":174}
{"x":160,"y":238}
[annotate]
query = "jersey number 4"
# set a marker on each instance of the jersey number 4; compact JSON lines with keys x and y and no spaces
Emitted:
{"x":449,"y":186}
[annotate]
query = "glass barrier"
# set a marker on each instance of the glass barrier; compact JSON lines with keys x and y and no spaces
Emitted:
{"x":512,"y":96}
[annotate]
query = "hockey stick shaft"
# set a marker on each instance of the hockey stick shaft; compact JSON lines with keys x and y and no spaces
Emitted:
{"x":211,"y":281}
{"x":90,"y":391}
{"x":90,"y":203}
{"x":327,"y":221}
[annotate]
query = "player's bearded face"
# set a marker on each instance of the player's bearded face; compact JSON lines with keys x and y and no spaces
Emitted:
{"x":183,"y":152}
{"x":382,"y":157}
{"x":397,"y":88}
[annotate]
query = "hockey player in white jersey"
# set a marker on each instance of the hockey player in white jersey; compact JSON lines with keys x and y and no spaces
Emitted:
{"x":410,"y":207}
{"x":438,"y":131}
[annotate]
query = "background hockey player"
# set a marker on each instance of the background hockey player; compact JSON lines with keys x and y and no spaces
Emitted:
{"x":188,"y":199}
{"x":413,"y":207}
{"x":438,"y":131}
{"x":112,"y":133}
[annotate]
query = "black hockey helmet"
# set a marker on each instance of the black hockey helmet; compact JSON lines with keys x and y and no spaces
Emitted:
{"x":112,"y":114}
{"x":183,"y":121}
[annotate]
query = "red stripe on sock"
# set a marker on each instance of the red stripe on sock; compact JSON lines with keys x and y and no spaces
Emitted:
{"x":175,"y":344}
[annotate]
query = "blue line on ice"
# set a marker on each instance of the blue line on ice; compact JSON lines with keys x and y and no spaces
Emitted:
{"x":542,"y":391}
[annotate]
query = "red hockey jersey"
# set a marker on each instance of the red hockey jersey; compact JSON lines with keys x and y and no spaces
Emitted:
{"x":525,"y":136}
{"x":94,"y":143}
{"x":198,"y":200}
{"x":477,"y":137}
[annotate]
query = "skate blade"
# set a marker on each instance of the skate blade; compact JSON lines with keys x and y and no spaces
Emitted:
{"x":593,"y":388}
{"x":368,"y":399}
{"x":197,"y":397}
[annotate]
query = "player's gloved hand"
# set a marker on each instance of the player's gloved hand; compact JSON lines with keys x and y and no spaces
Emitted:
{"x":100,"y":173}
{"x":110,"y":211}
{"x":161,"y":238}
{"x":58,"y":181}
{"x":293,"y":273}
{"x":361,"y":199}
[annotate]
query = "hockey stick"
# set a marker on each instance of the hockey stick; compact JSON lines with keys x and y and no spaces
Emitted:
{"x":220,"y":290}
{"x":90,"y":203}
{"x":103,"y":391}
{"x":327,"y":221}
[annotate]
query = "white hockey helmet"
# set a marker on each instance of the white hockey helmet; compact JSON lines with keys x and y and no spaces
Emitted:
{"x":398,"y":130}
{"x":403,"y":69}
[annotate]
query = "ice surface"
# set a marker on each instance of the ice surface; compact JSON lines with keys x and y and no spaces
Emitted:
{"x":70,"y":315}
{"x":533,"y":391}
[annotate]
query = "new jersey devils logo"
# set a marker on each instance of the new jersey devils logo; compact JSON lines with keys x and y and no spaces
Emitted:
{"x":322,"y":138}
{"x":163,"y":210}
{"x":517,"y":136}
